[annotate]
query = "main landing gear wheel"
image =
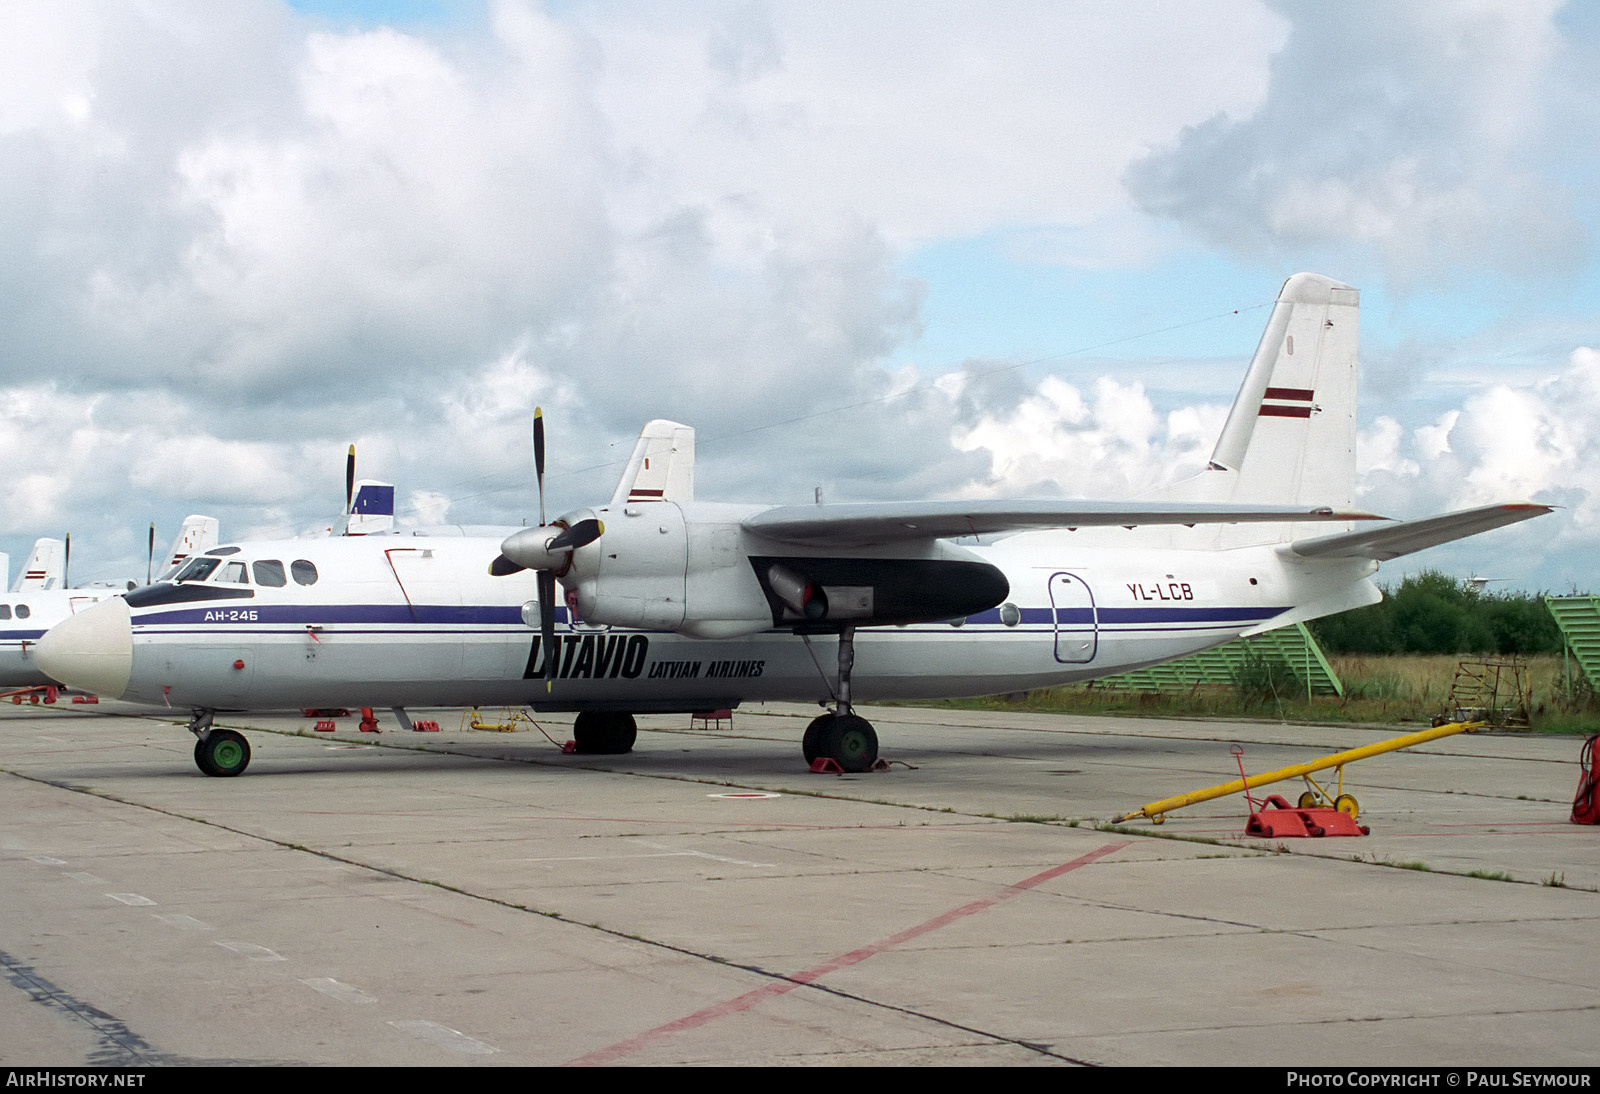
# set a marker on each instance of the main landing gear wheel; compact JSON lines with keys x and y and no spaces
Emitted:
{"x":601,"y":733}
{"x":222,"y":753}
{"x":847,"y":739}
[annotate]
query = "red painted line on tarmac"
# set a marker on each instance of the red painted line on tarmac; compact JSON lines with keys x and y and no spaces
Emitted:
{"x":816,"y":972}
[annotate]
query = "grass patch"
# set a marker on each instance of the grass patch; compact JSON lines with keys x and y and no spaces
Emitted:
{"x":1378,"y":689}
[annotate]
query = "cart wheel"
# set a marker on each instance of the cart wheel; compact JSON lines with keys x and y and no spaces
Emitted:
{"x":1346,"y":804}
{"x":1308,"y":800}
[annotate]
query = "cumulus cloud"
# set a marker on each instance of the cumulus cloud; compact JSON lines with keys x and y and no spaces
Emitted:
{"x":239,"y":239}
{"x":1506,"y":443}
{"x":1414,"y":131}
{"x":1111,"y":444}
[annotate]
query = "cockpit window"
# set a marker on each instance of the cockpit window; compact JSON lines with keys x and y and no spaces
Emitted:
{"x":234,"y":573}
{"x":269,"y":572}
{"x":198,"y":569}
{"x":304,"y":573}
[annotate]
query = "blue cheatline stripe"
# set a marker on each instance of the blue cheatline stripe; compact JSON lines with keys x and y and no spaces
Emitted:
{"x":21,"y":636}
{"x":445,"y":615}
{"x":301,"y":615}
{"x":1161,"y":614}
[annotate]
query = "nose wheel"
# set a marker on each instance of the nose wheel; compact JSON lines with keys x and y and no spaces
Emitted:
{"x":218,"y":752}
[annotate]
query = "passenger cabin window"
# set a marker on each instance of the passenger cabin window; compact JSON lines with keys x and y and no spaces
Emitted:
{"x":234,"y":572}
{"x":22,"y":611}
{"x":5,"y":611}
{"x":269,"y":572}
{"x":198,"y":569}
{"x":304,"y":573}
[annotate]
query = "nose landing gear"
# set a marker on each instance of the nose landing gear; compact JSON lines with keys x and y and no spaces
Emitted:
{"x":218,"y":752}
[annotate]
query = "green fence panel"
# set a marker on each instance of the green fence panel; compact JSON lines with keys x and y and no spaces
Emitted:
{"x":1293,"y":645}
{"x":1579,"y":620}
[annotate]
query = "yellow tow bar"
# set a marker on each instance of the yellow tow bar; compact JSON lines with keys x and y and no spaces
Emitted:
{"x":1157,"y":811}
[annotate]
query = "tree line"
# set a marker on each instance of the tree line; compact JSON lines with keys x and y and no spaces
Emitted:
{"x":1433,"y":613}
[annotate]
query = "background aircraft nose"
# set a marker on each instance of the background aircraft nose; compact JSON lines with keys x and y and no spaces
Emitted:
{"x":92,"y":650}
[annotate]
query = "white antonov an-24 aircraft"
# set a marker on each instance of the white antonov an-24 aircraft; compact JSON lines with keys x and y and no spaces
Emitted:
{"x":677,"y":605}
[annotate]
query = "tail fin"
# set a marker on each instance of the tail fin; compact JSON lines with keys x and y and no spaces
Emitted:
{"x":197,"y":534}
{"x":371,"y":508}
{"x":1290,"y":438}
{"x":662,"y":466}
{"x":45,"y":568}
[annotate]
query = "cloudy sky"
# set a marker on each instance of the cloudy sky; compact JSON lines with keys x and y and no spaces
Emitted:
{"x":892,"y":250}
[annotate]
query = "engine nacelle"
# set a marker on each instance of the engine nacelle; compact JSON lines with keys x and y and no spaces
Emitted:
{"x":695,"y":570}
{"x":660,"y":568}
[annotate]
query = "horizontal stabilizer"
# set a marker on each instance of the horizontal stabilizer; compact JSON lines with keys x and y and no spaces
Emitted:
{"x":1405,"y":537}
{"x":868,"y":524}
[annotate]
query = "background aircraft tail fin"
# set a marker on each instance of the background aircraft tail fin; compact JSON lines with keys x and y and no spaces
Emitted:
{"x":371,"y":508}
{"x":662,"y":465}
{"x":44,"y":569}
{"x":196,"y":534}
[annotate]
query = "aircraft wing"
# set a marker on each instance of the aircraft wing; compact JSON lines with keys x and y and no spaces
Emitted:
{"x":1404,"y":537}
{"x":869,"y":524}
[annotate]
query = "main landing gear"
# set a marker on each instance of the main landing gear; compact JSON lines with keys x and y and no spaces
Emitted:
{"x":604,"y":733}
{"x":218,"y":752}
{"x":842,"y":736}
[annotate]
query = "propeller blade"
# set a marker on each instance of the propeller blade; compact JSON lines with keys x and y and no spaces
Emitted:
{"x":504,"y":567}
{"x":547,"y":623}
{"x":581,"y":534}
{"x":538,"y":456}
{"x":150,"y":556}
{"x":66,"y":564}
{"x":349,"y":482}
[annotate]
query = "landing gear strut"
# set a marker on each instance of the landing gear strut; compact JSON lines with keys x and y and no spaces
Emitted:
{"x":218,"y":752}
{"x":604,"y":733}
{"x":841,"y":735}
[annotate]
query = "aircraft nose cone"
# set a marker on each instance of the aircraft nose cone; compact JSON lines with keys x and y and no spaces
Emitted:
{"x":92,"y":650}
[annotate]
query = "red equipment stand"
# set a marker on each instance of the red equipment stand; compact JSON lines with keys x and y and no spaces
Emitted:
{"x":1285,"y":820}
{"x":1585,"y":809}
{"x":47,"y":692}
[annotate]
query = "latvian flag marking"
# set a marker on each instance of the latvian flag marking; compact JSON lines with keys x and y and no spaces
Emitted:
{"x":638,"y":494}
{"x":1286,"y":402}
